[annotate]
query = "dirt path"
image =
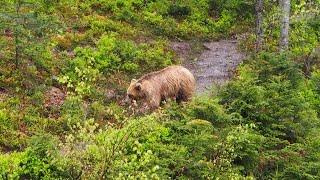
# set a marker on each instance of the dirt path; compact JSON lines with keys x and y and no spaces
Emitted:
{"x":214,"y":65}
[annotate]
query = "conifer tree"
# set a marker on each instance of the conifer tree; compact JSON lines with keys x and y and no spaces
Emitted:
{"x":26,"y":28}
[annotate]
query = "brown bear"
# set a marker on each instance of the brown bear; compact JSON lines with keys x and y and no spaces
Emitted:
{"x":173,"y":82}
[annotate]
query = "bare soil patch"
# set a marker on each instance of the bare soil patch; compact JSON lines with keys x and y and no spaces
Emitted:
{"x":214,"y":65}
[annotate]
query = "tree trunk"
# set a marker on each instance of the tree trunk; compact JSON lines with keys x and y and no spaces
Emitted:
{"x":259,"y":24}
{"x":284,"y":34}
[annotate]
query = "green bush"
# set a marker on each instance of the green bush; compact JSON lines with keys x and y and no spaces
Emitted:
{"x":239,"y":9}
{"x":208,"y":109}
{"x":264,"y":124}
{"x":315,"y":84}
{"x":9,"y":131}
{"x":112,"y":55}
{"x":272,"y":94}
{"x":73,"y":112}
{"x":179,"y":11}
{"x":37,"y":161}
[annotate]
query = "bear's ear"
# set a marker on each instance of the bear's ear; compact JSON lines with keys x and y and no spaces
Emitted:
{"x":138,"y":86}
{"x":133,"y":80}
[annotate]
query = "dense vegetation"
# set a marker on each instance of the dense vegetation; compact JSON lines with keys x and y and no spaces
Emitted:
{"x":264,"y":124}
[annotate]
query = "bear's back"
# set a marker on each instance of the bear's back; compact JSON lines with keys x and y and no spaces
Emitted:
{"x":170,"y":81}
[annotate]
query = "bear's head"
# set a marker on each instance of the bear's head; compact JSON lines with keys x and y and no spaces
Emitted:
{"x":135,"y":91}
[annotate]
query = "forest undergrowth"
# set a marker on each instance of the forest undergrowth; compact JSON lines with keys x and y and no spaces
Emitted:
{"x":65,"y":67}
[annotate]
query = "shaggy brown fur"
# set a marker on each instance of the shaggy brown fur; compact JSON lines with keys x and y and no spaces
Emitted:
{"x":173,"y":82}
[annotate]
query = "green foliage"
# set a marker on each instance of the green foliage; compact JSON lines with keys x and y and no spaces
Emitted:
{"x":179,"y":11}
{"x":272,"y":94}
{"x":240,"y":9}
{"x":304,"y":28}
{"x":209,"y":109}
{"x":73,"y":111}
{"x":112,"y":55}
{"x":261,"y":99}
{"x":37,"y":161}
{"x":315,"y":84}
{"x":264,"y":124}
{"x":245,"y":145}
{"x":8,"y":129}
{"x":27,"y":27}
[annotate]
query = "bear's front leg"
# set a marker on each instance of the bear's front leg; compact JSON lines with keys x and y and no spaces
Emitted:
{"x":154,"y":102}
